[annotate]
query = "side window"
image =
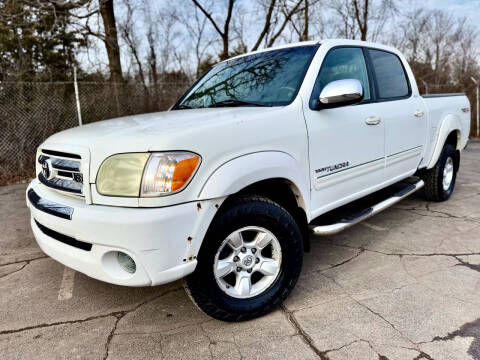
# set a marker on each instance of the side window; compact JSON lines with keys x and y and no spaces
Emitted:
{"x":339,"y":64}
{"x":391,"y":78}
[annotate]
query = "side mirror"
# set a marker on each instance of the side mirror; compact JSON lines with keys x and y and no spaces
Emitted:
{"x":340,"y":93}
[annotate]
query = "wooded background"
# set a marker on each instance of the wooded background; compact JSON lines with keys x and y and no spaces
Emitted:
{"x":139,"y":56}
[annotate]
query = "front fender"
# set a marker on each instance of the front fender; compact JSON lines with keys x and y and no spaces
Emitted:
{"x":248,"y":169}
{"x":449,"y":124}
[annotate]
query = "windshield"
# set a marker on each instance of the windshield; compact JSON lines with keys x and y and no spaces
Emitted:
{"x":269,"y":78}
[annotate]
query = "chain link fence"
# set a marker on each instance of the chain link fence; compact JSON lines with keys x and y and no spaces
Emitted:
{"x":31,"y":112}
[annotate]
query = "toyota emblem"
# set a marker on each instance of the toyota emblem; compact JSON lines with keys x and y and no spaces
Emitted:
{"x":248,"y":260}
{"x":47,"y":170}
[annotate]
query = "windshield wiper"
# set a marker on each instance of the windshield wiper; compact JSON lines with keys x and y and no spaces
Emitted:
{"x":183,"y":107}
{"x":233,"y":102}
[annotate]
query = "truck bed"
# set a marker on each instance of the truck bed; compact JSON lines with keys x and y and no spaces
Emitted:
{"x":440,"y":107}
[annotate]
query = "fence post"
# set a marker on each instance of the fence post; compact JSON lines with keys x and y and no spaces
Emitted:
{"x":75,"y":85}
{"x":478,"y":111}
{"x":478,"y":103}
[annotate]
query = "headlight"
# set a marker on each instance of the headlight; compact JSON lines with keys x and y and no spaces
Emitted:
{"x":145,"y":174}
{"x":121,"y":175}
{"x":168,"y":172}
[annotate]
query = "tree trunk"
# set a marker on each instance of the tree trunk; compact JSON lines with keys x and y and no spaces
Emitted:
{"x":362,"y":23}
{"x":365,"y":21}
{"x":286,"y":20}
{"x":152,"y":60}
{"x":226,"y":30}
{"x":266,"y":27}
{"x":224,"y":35}
{"x":111,"y":40}
{"x":305,"y":29}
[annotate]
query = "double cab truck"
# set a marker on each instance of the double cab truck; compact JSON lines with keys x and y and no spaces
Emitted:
{"x":226,"y":188}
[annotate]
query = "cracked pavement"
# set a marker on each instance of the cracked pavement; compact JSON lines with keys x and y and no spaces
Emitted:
{"x":403,"y":285}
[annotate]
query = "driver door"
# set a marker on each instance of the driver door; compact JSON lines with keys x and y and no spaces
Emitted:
{"x":347,"y":143}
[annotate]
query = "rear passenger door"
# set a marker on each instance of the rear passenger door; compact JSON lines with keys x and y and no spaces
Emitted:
{"x":403,"y":114}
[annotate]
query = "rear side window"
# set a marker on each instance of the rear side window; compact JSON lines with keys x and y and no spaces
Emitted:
{"x":391,"y":78}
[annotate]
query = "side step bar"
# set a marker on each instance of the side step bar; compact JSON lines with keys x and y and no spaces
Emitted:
{"x":365,"y":214}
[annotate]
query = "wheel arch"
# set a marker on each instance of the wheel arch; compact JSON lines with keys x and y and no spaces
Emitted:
{"x":245,"y":171}
{"x":449,"y":133}
{"x":274,"y":175}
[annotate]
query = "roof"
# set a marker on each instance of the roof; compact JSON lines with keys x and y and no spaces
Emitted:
{"x":285,"y":46}
{"x":331,"y":42}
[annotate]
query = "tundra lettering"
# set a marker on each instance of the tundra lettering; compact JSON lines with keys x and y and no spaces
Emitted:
{"x":332,"y":167}
{"x":226,"y":188}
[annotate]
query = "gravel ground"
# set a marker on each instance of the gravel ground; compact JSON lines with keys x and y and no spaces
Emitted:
{"x":403,"y":285}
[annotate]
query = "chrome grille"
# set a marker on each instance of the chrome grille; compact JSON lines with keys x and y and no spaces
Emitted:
{"x":61,"y":171}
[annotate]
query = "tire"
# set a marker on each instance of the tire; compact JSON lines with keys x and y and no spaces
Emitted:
{"x":256,"y":217}
{"x":434,"y":189}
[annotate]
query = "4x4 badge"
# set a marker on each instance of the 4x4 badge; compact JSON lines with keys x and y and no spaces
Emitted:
{"x":78,"y":177}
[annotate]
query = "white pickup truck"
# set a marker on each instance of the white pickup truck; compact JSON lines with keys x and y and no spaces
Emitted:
{"x":226,"y":187}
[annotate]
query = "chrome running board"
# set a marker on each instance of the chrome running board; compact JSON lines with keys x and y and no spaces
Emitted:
{"x":366,"y":213}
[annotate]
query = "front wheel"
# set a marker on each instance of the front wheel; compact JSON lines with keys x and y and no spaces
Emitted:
{"x":249,"y":262}
{"x":440,"y":180}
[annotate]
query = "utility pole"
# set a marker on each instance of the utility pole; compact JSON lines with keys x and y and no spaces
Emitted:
{"x":478,"y":110}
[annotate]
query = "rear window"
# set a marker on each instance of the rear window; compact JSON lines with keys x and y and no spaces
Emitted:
{"x":391,"y":78}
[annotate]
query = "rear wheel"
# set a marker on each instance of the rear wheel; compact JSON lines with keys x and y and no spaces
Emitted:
{"x":249,"y":262}
{"x":440,"y":180}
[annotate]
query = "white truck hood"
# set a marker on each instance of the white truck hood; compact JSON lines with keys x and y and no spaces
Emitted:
{"x":189,"y":130}
{"x":136,"y":129}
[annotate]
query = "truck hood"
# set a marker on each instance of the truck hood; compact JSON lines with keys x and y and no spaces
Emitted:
{"x":149,"y":132}
{"x":130,"y":128}
{"x":190,"y":130}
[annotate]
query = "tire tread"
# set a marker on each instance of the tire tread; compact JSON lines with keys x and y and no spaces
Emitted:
{"x":432,"y":190}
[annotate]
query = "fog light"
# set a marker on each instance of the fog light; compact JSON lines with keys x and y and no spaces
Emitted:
{"x":126,"y":262}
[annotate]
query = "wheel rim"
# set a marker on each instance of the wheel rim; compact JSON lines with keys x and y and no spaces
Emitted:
{"x":247,"y":262}
{"x":448,"y":174}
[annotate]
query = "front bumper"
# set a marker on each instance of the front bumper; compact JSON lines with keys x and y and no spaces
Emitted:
{"x":163,"y":242}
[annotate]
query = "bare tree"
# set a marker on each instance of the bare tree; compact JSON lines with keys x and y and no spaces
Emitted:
{"x":288,"y":11}
{"x":306,"y":24}
{"x":195,"y":24}
{"x":224,"y":33}
{"x":345,"y":24}
{"x":412,"y":40}
{"x":73,"y":9}
{"x":266,"y":26}
{"x":361,"y":15}
{"x":152,"y":59}
{"x":127,"y":33}
{"x":441,"y":49}
{"x":278,"y":14}
{"x":465,"y":63}
{"x":301,"y":22}
{"x":365,"y":19}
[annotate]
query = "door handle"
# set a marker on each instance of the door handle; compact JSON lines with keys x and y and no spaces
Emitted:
{"x":419,"y":113}
{"x":372,"y":120}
